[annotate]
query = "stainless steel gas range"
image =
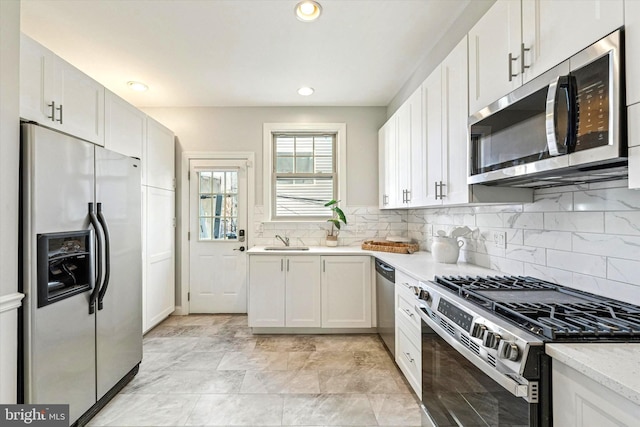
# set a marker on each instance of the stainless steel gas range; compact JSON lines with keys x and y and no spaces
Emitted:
{"x":483,"y":359}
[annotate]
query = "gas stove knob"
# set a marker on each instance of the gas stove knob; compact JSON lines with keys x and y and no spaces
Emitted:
{"x":508,"y":350}
{"x":424,"y":295}
{"x":478,"y":330}
{"x":491,"y":339}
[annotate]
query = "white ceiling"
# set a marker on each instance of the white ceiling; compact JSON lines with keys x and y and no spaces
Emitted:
{"x":243,"y":52}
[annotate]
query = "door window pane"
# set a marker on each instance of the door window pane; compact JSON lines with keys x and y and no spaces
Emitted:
{"x":218,"y":211}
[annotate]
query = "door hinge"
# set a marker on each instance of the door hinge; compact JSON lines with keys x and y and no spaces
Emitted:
{"x":174,"y":222}
{"x":188,"y":235}
{"x":188,"y":296}
{"x":174,"y":183}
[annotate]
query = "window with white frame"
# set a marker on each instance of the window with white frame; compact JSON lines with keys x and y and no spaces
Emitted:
{"x":303,"y":166}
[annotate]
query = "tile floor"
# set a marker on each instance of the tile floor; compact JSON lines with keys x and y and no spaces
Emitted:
{"x":210,"y":370}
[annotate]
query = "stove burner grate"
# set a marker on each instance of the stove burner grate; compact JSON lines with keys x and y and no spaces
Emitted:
{"x":549,"y":310}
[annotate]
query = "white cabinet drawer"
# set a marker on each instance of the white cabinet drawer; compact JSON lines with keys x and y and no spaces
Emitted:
{"x":404,"y":285}
{"x":409,"y":359}
{"x":406,"y":310}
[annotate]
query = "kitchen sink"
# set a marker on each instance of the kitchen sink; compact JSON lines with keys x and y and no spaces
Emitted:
{"x":286,"y":248}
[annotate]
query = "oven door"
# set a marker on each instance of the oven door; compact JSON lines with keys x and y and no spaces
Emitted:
{"x":457,"y":393}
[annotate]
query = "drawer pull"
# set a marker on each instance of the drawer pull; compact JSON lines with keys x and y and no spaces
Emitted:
{"x":408,"y":312}
{"x":408,"y":356}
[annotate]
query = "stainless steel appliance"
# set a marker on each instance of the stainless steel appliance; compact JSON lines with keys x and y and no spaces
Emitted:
{"x":565,"y":126}
{"x":483,"y":360}
{"x":81,"y":255}
{"x":385,"y":304}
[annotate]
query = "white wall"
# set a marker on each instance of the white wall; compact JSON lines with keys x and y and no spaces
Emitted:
{"x":584,"y":236}
{"x":240,"y":129}
{"x":9,"y":160}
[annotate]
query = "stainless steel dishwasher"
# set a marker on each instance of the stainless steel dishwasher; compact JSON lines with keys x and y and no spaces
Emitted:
{"x":385,"y":304}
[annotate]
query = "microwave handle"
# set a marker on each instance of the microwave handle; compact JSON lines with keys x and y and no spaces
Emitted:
{"x":551,"y":116}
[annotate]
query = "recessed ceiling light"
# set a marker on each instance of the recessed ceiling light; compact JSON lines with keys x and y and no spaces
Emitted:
{"x":137,"y":86}
{"x":305,"y":91}
{"x":308,"y":10}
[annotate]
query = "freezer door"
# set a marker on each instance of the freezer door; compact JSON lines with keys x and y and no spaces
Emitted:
{"x":119,"y":316}
{"x":59,"y":339}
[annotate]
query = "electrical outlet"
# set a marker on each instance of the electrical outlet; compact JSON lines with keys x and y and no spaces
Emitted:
{"x":260,"y":227}
{"x":500,"y":239}
{"x":361,"y":227}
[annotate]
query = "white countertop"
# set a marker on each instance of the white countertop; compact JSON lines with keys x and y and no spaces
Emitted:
{"x":419,"y":265}
{"x":615,"y":366}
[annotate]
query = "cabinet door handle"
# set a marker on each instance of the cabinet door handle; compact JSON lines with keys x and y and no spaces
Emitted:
{"x":523,"y":49}
{"x":287,"y":265}
{"x":511,"y":59}
{"x":281,"y":264}
{"x":323,"y":265}
{"x":60,"y":109}
{"x":53,"y":111}
{"x":408,"y":356}
{"x":408,"y":312}
{"x":435,"y":184}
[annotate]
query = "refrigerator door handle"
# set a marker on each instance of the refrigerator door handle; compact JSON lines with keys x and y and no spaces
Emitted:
{"x":107,"y":256}
{"x":98,"y":279}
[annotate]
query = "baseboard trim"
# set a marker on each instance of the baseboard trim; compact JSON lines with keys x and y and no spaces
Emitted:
{"x":277,"y":330}
{"x":11,"y":301}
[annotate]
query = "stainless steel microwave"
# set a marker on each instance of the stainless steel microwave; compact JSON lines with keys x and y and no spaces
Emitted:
{"x":564,"y":127}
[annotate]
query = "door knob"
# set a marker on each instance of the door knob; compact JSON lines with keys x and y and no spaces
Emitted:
{"x":241,"y":249}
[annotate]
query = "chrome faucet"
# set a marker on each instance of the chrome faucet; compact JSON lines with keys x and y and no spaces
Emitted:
{"x":283,"y":240}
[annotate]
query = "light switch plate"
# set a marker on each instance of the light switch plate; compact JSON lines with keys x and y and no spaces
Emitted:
{"x":500,"y":239}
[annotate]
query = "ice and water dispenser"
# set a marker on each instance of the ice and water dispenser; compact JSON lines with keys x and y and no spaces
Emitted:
{"x":65,"y":265}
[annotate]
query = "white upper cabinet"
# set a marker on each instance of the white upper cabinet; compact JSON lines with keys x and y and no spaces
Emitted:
{"x":454,"y":188}
{"x":387,"y":150}
{"x":403,"y":117}
{"x":554,"y":30}
{"x":58,"y":95}
{"x":494,"y":52}
{"x":518,"y":40}
{"x":125,"y":126}
{"x":416,"y":194}
{"x":432,"y":112}
{"x":159,"y":157}
{"x":402,"y":151}
{"x":632,"y":58}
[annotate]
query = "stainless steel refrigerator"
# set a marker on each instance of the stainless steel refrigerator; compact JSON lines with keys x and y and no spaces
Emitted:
{"x":82,"y":271}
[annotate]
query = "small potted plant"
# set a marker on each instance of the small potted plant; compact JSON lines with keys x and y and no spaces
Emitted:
{"x":338,"y":216}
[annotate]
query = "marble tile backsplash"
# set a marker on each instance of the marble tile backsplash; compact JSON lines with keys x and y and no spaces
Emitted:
{"x":363,"y":223}
{"x":584,"y":236}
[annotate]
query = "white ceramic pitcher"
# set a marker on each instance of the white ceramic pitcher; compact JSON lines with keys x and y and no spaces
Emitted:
{"x":446,"y":249}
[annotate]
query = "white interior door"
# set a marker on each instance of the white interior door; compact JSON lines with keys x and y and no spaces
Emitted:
{"x":217,"y":224}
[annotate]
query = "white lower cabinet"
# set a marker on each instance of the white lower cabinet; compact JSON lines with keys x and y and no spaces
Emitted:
{"x":346,"y":292}
{"x":409,"y":359}
{"x":302,"y":292}
{"x":284,"y":291}
{"x":408,"y":332}
{"x":310,"y":291}
{"x":579,"y":401}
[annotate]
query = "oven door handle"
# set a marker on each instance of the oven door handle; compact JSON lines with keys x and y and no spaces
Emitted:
{"x":511,"y":385}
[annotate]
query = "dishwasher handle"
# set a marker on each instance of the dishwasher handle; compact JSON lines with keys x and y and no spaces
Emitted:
{"x":386,"y":271}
